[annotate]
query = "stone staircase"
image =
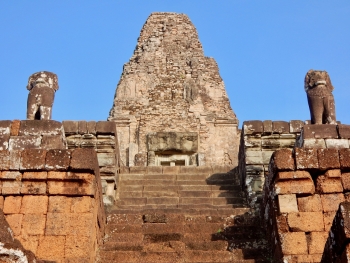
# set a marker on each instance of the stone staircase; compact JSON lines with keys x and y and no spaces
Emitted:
{"x":181,"y":214}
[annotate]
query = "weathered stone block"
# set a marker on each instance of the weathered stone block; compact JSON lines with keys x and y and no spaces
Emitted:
{"x":328,"y":218}
{"x":12,"y":204}
{"x":306,"y":221}
{"x":253,"y":127}
{"x":33,"y":187}
{"x":35,"y":175}
{"x":70,"y":188}
{"x":267,"y":126}
{"x":25,"y":142}
{"x":252,"y":143}
{"x":78,"y":247}
{"x":266,"y":156}
{"x":49,"y":252}
{"x":4,"y":142}
{"x":280,"y":127}
{"x":15,"y":160}
{"x":52,"y":142}
{"x":283,"y":159}
{"x":106,"y":159}
{"x":84,"y":159}
{"x":56,"y":175}
{"x":317,"y":242}
{"x":329,"y":185}
{"x":310,"y":203}
{"x":88,"y":142}
{"x":14,"y":175}
{"x":295,"y":126}
{"x":255,"y":170}
{"x":271,"y":142}
{"x":293,"y":175}
{"x":59,"y":204}
{"x":335,"y":173}
{"x":83,"y":204}
{"x":15,"y":127}
{"x":314,"y":143}
{"x":57,"y":224}
{"x":253,"y":157}
{"x":159,"y":169}
{"x":58,"y":159}
{"x":105,"y":127}
{"x":301,"y":186}
{"x":345,"y":179}
{"x":4,"y":160}
{"x":320,"y":131}
{"x":293,"y":243}
{"x":34,"y":204}
{"x":40,"y":127}
{"x":306,"y":158}
{"x":1,"y":199}
{"x":82,"y":127}
{"x":5,"y":128}
{"x":281,"y":222}
{"x":302,"y":258}
{"x":170,"y":169}
{"x":287,"y":203}
{"x":330,"y":202}
{"x":344,"y":157}
{"x":328,"y":159}
{"x":70,"y":127}
{"x":337,"y":143}
{"x":344,"y":131}
{"x":11,"y":187}
{"x":91,"y":127}
{"x":15,"y":222}
{"x":80,"y":224}
{"x":33,"y":159}
{"x":33,"y":224}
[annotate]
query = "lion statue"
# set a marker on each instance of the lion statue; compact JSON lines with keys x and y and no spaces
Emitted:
{"x":319,"y":89}
{"x":42,"y":87}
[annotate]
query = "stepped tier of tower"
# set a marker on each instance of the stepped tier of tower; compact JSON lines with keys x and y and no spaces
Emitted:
{"x":168,"y":87}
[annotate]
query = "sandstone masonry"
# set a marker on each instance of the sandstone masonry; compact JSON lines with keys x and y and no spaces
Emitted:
{"x":168,"y":87}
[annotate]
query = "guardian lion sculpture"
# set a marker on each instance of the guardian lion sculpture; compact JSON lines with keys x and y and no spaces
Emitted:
{"x":42,"y":87}
{"x":319,"y":89}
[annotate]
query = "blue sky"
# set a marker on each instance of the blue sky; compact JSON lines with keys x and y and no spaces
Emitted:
{"x":263,"y":49}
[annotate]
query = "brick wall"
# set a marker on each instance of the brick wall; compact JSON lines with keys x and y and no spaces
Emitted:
{"x":302,"y":193}
{"x":102,"y":137}
{"x":31,"y":134}
{"x":52,"y":201}
{"x":259,"y":139}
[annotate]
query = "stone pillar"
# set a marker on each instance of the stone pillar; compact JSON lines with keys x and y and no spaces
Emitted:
{"x":151,"y":161}
{"x":133,"y":150}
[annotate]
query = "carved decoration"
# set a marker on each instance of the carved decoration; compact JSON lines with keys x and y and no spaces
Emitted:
{"x":319,"y":89}
{"x":42,"y":87}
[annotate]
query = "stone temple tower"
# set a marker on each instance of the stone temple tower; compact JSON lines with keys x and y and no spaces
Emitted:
{"x":171,"y":106}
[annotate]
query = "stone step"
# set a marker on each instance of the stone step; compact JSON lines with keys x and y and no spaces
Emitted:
{"x":173,"y":182}
{"x":171,"y":193}
{"x":188,"y":209}
{"x":179,"y":201}
{"x":194,"y":176}
{"x":224,"y":187}
{"x":176,"y":256}
{"x":118,"y":215}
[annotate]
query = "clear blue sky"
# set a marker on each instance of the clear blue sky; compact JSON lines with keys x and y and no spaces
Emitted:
{"x":263,"y":49}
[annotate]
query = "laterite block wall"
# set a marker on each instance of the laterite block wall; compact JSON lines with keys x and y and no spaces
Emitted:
{"x":52,"y":202}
